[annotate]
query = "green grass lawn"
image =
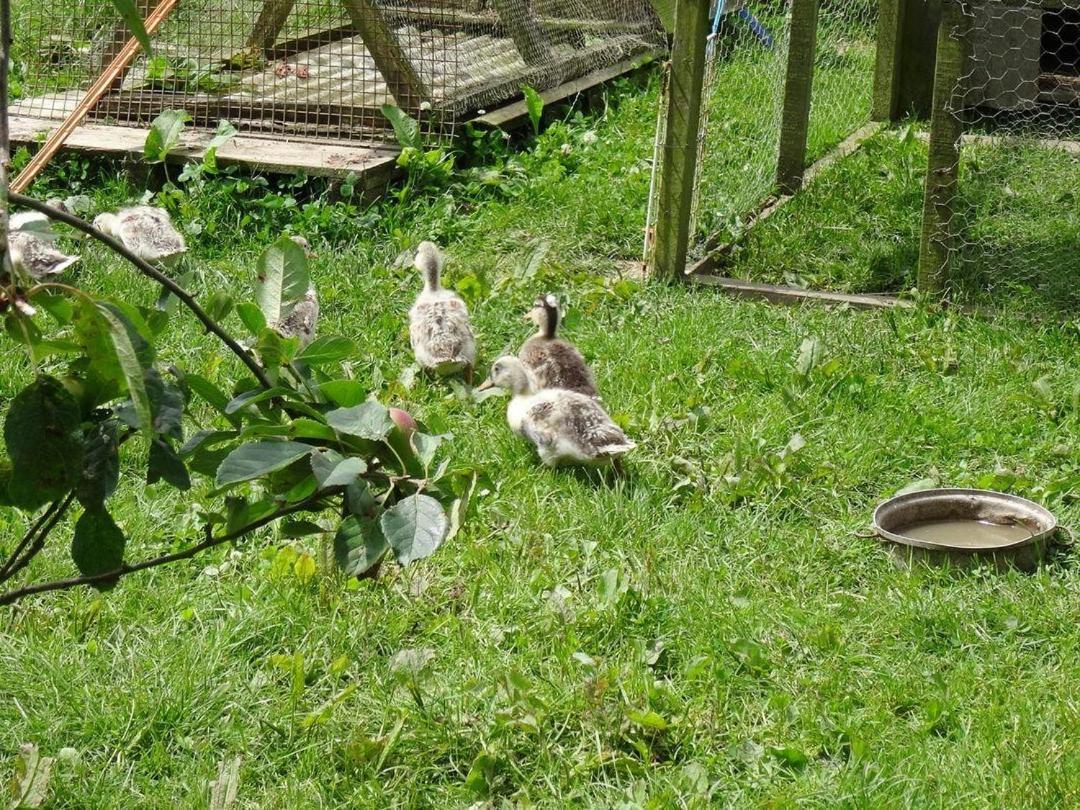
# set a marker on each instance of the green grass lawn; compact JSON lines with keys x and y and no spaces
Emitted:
{"x":707,"y":628}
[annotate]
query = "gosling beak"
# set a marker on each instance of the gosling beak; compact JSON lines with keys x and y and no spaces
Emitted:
{"x":485,"y":385}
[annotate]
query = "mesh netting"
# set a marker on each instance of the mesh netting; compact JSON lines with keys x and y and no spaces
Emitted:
{"x":321,"y":68}
{"x":1014,"y":213}
{"x":746,"y":65}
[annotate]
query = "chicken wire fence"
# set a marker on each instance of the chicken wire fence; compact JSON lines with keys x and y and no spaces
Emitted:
{"x":319,"y":68}
{"x":743,"y":97}
{"x":1003,"y":206}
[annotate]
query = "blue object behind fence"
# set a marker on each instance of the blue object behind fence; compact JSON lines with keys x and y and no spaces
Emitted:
{"x":760,"y":31}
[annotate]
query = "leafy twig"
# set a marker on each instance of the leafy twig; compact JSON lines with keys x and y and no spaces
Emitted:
{"x":151,"y":272}
{"x":311,"y":504}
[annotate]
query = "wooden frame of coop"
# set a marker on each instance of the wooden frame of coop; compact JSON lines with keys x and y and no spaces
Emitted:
{"x":935,"y":59}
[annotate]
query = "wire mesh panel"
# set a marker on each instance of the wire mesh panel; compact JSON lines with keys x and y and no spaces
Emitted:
{"x":1011,"y":218}
{"x":321,"y":68}
{"x":747,"y":67}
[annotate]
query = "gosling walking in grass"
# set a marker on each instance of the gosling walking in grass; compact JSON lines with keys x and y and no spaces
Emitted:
{"x":554,"y":362}
{"x":439,"y":329}
{"x":567,"y":427}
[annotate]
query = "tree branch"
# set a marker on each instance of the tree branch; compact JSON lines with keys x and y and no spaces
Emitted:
{"x":35,"y":537}
{"x":151,"y":272}
{"x":9,"y":597}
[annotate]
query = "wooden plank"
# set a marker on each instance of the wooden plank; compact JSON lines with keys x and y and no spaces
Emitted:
{"x":1072,"y":147}
{"x":679,"y":152}
{"x":1055,"y":88}
{"x":274,"y":155}
{"x":798,"y":89}
{"x":385,"y":50}
{"x":426,"y":16}
{"x":516,"y":17}
{"x":938,"y":238}
{"x":887,"y":65}
{"x":517,"y":113}
{"x":780,"y":294}
{"x":716,"y":251}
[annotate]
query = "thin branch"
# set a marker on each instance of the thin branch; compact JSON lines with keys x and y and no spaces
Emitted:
{"x":42,"y":534}
{"x":311,"y":504}
{"x":5,"y":144}
{"x":5,"y":570}
{"x":151,"y":272}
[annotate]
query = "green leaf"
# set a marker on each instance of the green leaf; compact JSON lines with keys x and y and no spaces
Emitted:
{"x":406,"y":128}
{"x":167,"y":405}
{"x":300,"y":528}
{"x":789,"y":756}
{"x":426,"y":446}
{"x":311,"y":429}
{"x":535,"y":106}
{"x":128,"y":359}
{"x":30,"y":784}
{"x":333,"y":470}
{"x":368,"y":420}
{"x":44,"y":442}
{"x":358,"y":545}
{"x":252,"y":317}
{"x":224,"y":133}
{"x":344,"y":393}
{"x":101,"y":466}
{"x":358,"y":499}
{"x":165,"y":465}
{"x":133,"y":20}
{"x":647,"y":719}
{"x":481,"y":774}
{"x":327,"y":350}
{"x":282,"y":279}
{"x":164,"y":135}
{"x":98,"y":544}
{"x":414,"y":527}
{"x":218,"y":305}
{"x":253,"y":397}
{"x":811,"y":353}
{"x":249,"y":461}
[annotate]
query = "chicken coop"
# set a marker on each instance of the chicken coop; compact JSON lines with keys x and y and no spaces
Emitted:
{"x":1000,"y":81}
{"x":322,"y":69}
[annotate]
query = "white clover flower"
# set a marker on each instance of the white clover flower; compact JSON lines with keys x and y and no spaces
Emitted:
{"x":566,"y":149}
{"x":589,"y":137}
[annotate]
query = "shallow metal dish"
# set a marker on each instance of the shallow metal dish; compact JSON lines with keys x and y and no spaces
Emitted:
{"x":895,"y":514}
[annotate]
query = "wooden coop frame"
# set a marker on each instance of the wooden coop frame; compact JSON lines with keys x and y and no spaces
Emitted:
{"x":931,"y":63}
{"x":553,"y":50}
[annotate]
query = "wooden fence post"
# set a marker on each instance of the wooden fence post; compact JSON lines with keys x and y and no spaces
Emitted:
{"x":890,"y":32}
{"x":946,"y":128}
{"x":798,"y":89}
{"x":679,"y":154}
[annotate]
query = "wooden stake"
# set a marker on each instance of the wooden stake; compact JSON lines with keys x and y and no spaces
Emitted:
{"x":271,"y":20}
{"x":517,"y":18}
{"x":938,"y":239}
{"x":679,"y":153}
{"x":798,"y":89}
{"x":93,"y":95}
{"x":890,"y":32}
{"x":382,"y":43}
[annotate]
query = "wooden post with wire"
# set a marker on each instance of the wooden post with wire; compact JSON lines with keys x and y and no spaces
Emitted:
{"x":99,"y":88}
{"x":946,"y":129}
{"x":679,"y":152}
{"x":798,"y":89}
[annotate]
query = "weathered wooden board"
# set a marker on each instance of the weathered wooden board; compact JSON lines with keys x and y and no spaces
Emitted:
{"x":780,"y":294}
{"x":275,"y":155}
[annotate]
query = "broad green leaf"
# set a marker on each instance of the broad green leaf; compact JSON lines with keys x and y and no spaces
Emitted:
{"x":224,"y":133}
{"x":30,"y":784}
{"x":327,"y":350}
{"x":213,"y":395}
{"x":311,"y":429}
{"x":368,"y":420}
{"x":647,"y":719}
{"x":98,"y":544}
{"x":44,"y":443}
{"x":414,"y":527}
{"x":535,"y":106}
{"x":101,"y":466}
{"x":165,"y":465}
{"x":344,"y":393}
{"x":332,"y":470}
{"x":811,"y":353}
{"x":282,"y":279}
{"x":789,"y":756}
{"x":57,"y":305}
{"x":358,"y":545}
{"x":252,"y":317}
{"x":129,"y":12}
{"x":302,"y":489}
{"x":249,"y":461}
{"x":300,"y":528}
{"x":130,"y":365}
{"x":205,"y":438}
{"x":218,"y":305}
{"x":166,"y":405}
{"x":406,"y":128}
{"x":426,"y":446}
{"x":359,"y":500}
{"x":481,"y":774}
{"x":164,"y":135}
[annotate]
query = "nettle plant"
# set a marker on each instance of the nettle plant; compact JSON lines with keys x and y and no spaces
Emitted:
{"x":295,"y":436}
